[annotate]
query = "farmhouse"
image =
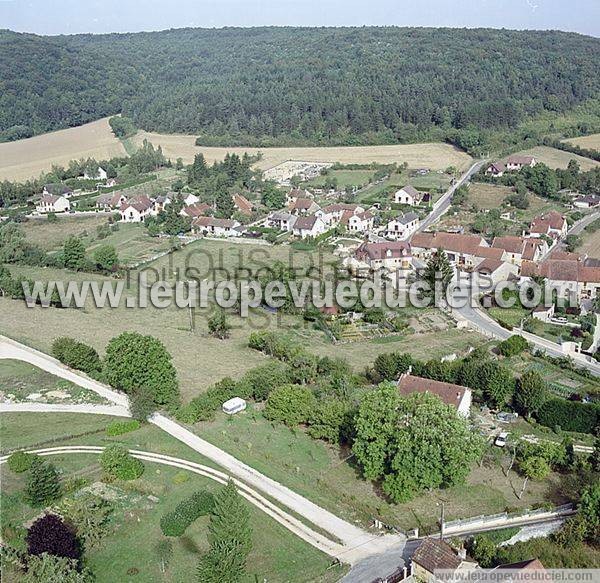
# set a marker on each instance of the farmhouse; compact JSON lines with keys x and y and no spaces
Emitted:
{"x":109,"y":201}
{"x":58,"y":190}
{"x":518,"y":249}
{"x":51,"y":203}
{"x":136,"y":210}
{"x":551,"y":224}
{"x":587,"y":202}
{"x":464,"y":251}
{"x":495,"y":270}
{"x":408,"y":195}
{"x":198,"y":209}
{"x":390,"y":256}
{"x":580,"y":279}
{"x":281,"y":221}
{"x":401,"y":227}
{"x":497,"y":169}
{"x":311,"y":226}
{"x":303,"y":206}
{"x":215,"y":227}
{"x":160,"y":203}
{"x":359,"y":223}
{"x":516,"y":162}
{"x":456,"y":395}
{"x":242,"y":204}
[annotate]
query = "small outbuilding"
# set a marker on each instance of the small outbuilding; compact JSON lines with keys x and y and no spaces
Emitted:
{"x":234,"y":405}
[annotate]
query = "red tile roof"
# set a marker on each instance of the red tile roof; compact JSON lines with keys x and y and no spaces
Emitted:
{"x":380,"y":250}
{"x":523,"y":160}
{"x":553,"y":220}
{"x":466,"y":244}
{"x":558,"y":270}
{"x":450,"y":393}
{"x":197,"y":209}
{"x":489,"y":265}
{"x":214,"y":222}
{"x":434,"y":554}
{"x":305,"y":223}
{"x":242,"y":204}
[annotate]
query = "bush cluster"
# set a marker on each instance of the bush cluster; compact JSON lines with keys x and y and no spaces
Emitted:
{"x":77,"y":355}
{"x":513,"y":345}
{"x":21,"y":461}
{"x":116,"y":462}
{"x":121,"y":427}
{"x":176,"y":522}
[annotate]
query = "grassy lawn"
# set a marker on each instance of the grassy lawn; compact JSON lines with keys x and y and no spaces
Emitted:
{"x":277,"y":554}
{"x":344,"y":178}
{"x":591,"y":142}
{"x":488,"y":196}
{"x":326,"y":475}
{"x":18,"y":380}
{"x":591,"y":244}
{"x":51,"y":236}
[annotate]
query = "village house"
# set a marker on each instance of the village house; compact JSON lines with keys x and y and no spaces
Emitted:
{"x":434,"y":555}
{"x":160,"y":203}
{"x":494,"y":271}
{"x":303,"y":206}
{"x":392,"y":256}
{"x":519,"y":249}
{"x":551,"y":224}
{"x":456,"y":395}
{"x":197,"y":209}
{"x":57,"y":190}
{"x":281,"y":221}
{"x":215,"y":227}
{"x":359,"y":223}
{"x":311,"y":226}
{"x":464,"y":251}
{"x":243,"y":205}
{"x":110,"y":201}
{"x":296,"y":193}
{"x":570,"y":278}
{"x":496,"y":169}
{"x":401,"y":227}
{"x":190,"y":199}
{"x":589,"y":201}
{"x":339,"y":213}
{"x":99,"y":175}
{"x":516,"y":162}
{"x":408,"y":195}
{"x":136,"y":210}
{"x":51,"y":203}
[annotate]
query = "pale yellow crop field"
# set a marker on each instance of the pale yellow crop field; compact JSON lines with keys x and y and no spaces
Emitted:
{"x":436,"y":156}
{"x":592,"y":142}
{"x":28,"y":158}
{"x":558,"y":159}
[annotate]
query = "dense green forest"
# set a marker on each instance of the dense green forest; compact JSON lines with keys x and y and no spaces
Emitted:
{"x":264,"y":86}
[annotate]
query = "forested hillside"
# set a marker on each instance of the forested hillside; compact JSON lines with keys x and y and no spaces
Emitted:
{"x":296,"y":85}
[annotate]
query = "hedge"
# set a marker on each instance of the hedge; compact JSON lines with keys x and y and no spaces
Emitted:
{"x":569,"y":415}
{"x":77,"y":355}
{"x":175,"y":523}
{"x":120,"y":427}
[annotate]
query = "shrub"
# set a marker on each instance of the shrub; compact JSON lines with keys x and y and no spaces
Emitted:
{"x":42,"y":486}
{"x":134,"y":361}
{"x":186,"y":512}
{"x":290,"y":404}
{"x":21,"y":461}
{"x":77,"y":355}
{"x":141,"y":404}
{"x":118,"y":463}
{"x":120,"y":427}
{"x":513,"y":345}
{"x":569,"y":415}
{"x":50,"y":534}
{"x":328,"y":420}
{"x":263,"y":379}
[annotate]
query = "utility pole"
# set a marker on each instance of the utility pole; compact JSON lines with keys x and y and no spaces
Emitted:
{"x":442,"y":519}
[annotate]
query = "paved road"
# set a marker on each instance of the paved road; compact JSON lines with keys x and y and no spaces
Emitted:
{"x":443,"y":204}
{"x":483,"y":323}
{"x":284,"y":518}
{"x":116,"y":410}
{"x":576,"y":229}
{"x":358,"y":543}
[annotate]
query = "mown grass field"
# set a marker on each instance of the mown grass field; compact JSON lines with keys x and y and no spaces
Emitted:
{"x":28,"y":158}
{"x":50,"y":236}
{"x":558,"y":158}
{"x":328,"y":476}
{"x":436,"y":156}
{"x":591,"y":142}
{"x":277,"y":554}
{"x":199,"y":358}
{"x":591,"y":244}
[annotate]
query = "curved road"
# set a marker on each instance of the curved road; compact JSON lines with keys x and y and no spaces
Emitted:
{"x":357,"y":542}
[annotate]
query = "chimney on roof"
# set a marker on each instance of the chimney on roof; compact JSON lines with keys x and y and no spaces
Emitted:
{"x":462,"y":553}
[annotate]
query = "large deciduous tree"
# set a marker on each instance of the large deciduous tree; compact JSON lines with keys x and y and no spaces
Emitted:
{"x":412,"y":443}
